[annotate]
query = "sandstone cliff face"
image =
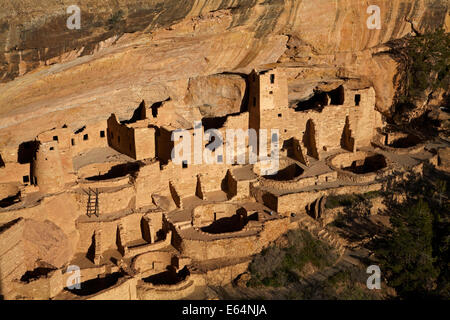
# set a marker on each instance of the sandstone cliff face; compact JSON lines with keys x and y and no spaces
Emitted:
{"x":129,"y":51}
{"x":216,"y":95}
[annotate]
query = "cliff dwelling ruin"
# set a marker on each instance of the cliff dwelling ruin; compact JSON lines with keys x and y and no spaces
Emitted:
{"x":141,"y":227}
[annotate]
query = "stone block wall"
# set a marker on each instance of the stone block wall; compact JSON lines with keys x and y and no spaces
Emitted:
{"x":147,"y":291}
{"x":14,"y":172}
{"x":44,"y":288}
{"x":48,"y":172}
{"x":144,"y":143}
{"x":121,"y":137}
{"x":124,"y":290}
{"x":297,"y":202}
{"x":92,"y":135}
{"x":8,"y":190}
{"x":12,"y":257}
{"x":223,"y":275}
{"x":354,"y":120}
{"x":220,"y":248}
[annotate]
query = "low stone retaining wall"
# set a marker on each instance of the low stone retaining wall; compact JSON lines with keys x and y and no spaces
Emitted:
{"x":148,"y":291}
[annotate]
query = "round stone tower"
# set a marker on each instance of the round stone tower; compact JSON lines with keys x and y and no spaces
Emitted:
{"x":47,"y":170}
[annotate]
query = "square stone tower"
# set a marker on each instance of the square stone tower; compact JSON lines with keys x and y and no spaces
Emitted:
{"x":268,"y":93}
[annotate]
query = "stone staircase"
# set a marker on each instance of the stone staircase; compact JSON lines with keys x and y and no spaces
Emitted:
{"x":343,"y":263}
{"x":346,"y":254}
{"x":322,"y":233}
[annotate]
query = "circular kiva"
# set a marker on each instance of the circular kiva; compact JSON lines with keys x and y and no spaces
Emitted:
{"x":358,"y":166}
{"x":289,"y":172}
{"x":402,"y":143}
{"x":218,"y":218}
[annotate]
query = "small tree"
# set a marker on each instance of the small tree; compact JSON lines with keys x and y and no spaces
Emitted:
{"x":407,"y":256}
{"x":414,"y":254}
{"x":426,"y":61}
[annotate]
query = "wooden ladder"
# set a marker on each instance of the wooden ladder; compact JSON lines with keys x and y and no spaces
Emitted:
{"x":92,"y":204}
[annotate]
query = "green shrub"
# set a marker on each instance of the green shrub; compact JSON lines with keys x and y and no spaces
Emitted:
{"x":415,"y":253}
{"x":347,"y":200}
{"x":426,"y":64}
{"x":115,"y":18}
{"x":278,"y":266}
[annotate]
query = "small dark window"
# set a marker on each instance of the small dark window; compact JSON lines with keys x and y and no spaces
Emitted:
{"x":272,"y":78}
{"x":185,"y":164}
{"x":270,"y":92}
{"x":35,"y":181}
{"x":55,"y":138}
{"x":26,"y":179}
{"x":102,"y":134}
{"x":51,"y":148}
{"x":279,"y":115}
{"x":85,"y":137}
{"x":72,"y":141}
{"x":357,"y":99}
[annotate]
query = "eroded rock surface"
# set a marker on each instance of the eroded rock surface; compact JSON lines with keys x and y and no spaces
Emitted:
{"x":216,"y":95}
{"x":46,"y":243}
{"x":128,"y":51}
